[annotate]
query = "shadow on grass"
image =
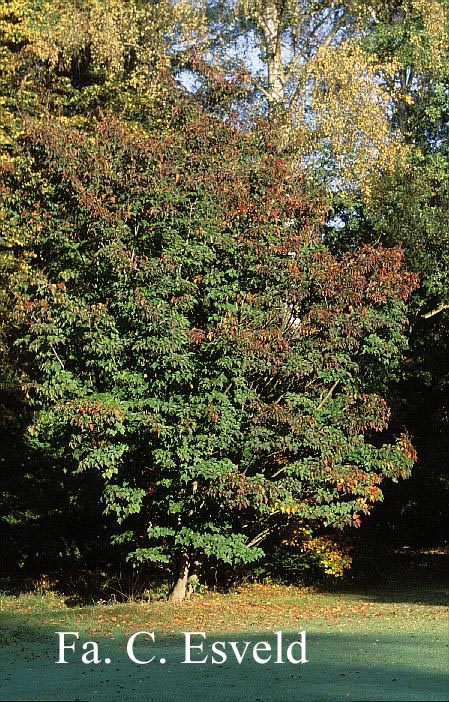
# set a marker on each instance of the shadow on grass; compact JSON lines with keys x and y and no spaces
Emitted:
{"x":85,"y":587}
{"x":362,"y":666}
{"x":402,"y":576}
{"x":413,"y":578}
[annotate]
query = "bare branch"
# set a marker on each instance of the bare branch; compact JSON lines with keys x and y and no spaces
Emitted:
{"x":57,"y":357}
{"x":260,"y":537}
{"x":437,"y":310}
{"x":327,"y":395}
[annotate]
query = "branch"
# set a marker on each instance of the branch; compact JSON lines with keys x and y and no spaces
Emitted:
{"x":293,"y":65}
{"x":330,"y":37}
{"x":260,"y":87}
{"x":437,"y":310}
{"x":57,"y":357}
{"x":260,"y":537}
{"x":327,"y":395}
{"x":334,"y":31}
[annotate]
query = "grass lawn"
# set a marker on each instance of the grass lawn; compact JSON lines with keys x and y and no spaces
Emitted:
{"x":387,"y":643}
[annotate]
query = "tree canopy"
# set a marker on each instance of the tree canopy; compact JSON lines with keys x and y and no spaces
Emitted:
{"x":192,"y":338}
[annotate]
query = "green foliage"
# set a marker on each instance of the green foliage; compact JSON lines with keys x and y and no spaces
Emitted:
{"x":188,"y":337}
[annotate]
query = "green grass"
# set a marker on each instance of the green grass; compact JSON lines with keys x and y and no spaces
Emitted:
{"x":388,"y":643}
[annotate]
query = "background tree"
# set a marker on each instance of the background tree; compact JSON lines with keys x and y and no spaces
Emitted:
{"x":409,"y":208}
{"x":308,"y":63}
{"x":311,"y":69}
{"x":72,"y":58}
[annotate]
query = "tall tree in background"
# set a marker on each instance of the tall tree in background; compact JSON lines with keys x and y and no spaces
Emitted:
{"x":410,"y":208}
{"x":306,"y":64}
{"x":310,"y":67}
{"x":73,"y":58}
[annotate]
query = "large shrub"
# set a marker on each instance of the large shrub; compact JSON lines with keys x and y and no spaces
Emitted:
{"x":188,"y":336}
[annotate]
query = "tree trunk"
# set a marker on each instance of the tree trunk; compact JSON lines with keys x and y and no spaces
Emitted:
{"x":270,"y":23}
{"x":179,"y":589}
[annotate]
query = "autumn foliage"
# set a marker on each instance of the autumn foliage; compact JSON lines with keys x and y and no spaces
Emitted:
{"x":187,"y":336}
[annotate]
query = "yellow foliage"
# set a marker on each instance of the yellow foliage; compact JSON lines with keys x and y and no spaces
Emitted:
{"x":115,"y":31}
{"x":283,"y":508}
{"x":128,"y":44}
{"x":350,"y":114}
{"x":332,"y":557}
{"x":336,"y":98}
{"x":431,"y":45}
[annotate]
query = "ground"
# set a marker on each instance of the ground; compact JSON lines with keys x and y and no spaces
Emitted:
{"x":388,"y":642}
